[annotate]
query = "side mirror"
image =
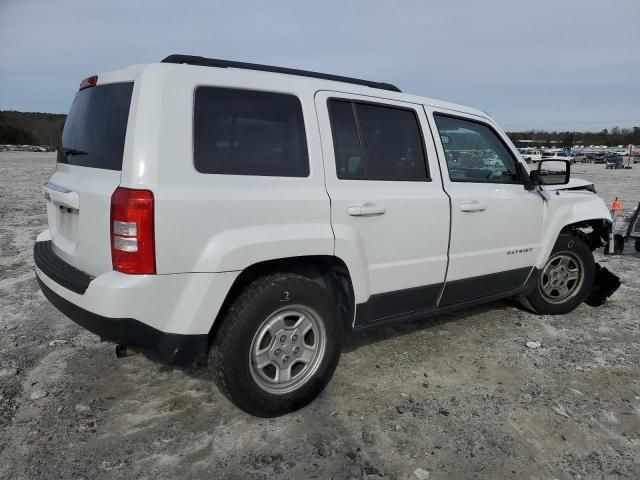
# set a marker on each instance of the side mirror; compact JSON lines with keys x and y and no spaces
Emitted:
{"x":529,"y":178}
{"x":553,"y":172}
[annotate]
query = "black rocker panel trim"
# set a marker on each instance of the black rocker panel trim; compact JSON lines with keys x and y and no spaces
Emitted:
{"x":58,"y":270}
{"x":390,"y":304}
{"x":420,"y":302}
{"x":477,"y":287}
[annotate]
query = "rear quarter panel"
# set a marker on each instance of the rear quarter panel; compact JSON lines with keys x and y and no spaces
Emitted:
{"x":217,"y":223}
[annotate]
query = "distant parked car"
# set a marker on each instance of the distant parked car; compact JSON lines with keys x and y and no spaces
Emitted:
{"x":625,"y":227}
{"x":530,"y":154}
{"x":559,"y":156}
{"x":600,"y":158}
{"x":614,"y":161}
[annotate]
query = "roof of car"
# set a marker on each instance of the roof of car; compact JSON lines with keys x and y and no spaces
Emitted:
{"x":321,"y":81}
{"x":214,"y":62}
{"x":390,"y":90}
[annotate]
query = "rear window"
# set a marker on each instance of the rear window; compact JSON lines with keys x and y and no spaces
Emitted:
{"x":96,"y":126}
{"x":245,"y":132}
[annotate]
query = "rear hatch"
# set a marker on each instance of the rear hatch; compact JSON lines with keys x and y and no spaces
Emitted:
{"x":88,"y":171}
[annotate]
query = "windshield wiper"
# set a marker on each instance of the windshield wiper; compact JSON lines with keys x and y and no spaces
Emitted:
{"x":73,"y":151}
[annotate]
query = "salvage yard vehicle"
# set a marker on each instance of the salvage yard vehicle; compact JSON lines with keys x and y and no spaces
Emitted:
{"x":579,"y":157}
{"x":531,"y":155}
{"x":253,"y":216}
{"x":559,"y":156}
{"x":613,"y":161}
{"x":625,"y":227}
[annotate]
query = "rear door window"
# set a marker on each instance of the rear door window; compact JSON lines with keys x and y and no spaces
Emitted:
{"x":95,"y":129}
{"x":348,"y":150}
{"x":246,"y":132}
{"x":376,"y":142}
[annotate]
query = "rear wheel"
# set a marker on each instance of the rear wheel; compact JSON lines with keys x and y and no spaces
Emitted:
{"x":277,"y":346}
{"x":565,"y":280}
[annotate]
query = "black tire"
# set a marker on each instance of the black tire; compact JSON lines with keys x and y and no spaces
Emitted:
{"x":574,"y":248}
{"x":637,"y":245}
{"x":230,"y":354}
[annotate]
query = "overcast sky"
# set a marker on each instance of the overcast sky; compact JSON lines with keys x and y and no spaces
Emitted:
{"x":550,"y":64}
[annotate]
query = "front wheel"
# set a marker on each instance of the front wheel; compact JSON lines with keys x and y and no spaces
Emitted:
{"x":278,"y":345}
{"x":566,"y":279}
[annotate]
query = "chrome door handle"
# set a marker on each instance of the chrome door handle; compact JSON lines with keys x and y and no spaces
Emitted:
{"x":474,"y":206}
{"x":365,"y":210}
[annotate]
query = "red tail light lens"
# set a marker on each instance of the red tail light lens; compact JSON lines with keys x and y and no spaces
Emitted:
{"x":132,"y":233}
{"x":89,"y":82}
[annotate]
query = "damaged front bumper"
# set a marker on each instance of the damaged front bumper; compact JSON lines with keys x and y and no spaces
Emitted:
{"x":598,"y":234}
{"x":605,"y":284}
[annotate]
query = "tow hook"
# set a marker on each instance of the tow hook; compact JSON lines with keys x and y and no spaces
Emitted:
{"x":122,"y":351}
{"x":604,"y":284}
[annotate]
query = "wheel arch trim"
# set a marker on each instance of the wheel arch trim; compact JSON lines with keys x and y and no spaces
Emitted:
{"x":328,"y":271}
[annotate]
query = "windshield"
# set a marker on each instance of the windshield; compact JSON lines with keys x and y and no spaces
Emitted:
{"x":96,"y":126}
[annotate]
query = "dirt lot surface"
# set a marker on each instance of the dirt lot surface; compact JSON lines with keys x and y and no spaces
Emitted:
{"x":459,"y":396}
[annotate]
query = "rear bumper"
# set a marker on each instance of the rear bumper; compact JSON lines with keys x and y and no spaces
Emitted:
{"x":170,"y":314}
{"x":172,"y":347}
{"x":58,"y":270}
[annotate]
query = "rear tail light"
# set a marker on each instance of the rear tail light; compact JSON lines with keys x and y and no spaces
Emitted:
{"x":91,"y":81}
{"x":132,"y":232}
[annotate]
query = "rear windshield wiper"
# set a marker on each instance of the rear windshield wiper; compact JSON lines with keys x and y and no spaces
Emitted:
{"x":73,"y":151}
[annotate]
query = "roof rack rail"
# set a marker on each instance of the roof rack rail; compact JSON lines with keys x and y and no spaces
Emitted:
{"x":212,"y":62}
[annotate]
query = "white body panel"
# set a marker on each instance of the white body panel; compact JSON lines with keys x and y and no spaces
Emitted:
{"x":80,"y":235}
{"x":407,"y":245}
{"x":565,"y":207}
{"x":184,"y":303}
{"x":573,"y":183}
{"x":209,"y":228}
{"x":216,"y":223}
{"x":481,"y":239}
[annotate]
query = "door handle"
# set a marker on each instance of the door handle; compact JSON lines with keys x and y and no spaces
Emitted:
{"x":365,"y":210}
{"x":474,"y":206}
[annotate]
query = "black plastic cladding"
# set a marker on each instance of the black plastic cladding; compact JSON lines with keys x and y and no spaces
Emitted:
{"x":213,"y":62}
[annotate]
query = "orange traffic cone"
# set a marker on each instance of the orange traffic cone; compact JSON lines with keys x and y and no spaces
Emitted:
{"x":616,"y":205}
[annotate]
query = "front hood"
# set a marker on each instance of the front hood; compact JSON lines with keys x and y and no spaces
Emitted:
{"x":574,"y":184}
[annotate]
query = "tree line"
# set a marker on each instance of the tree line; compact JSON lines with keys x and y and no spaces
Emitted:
{"x":26,"y":128}
{"x":615,"y":136}
{"x":21,"y":128}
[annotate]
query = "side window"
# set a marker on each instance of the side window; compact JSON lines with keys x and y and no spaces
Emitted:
{"x":245,"y":132}
{"x":346,"y":142}
{"x":475,"y":153}
{"x":376,"y":142}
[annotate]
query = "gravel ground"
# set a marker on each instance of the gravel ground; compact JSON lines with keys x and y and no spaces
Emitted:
{"x":459,"y":396}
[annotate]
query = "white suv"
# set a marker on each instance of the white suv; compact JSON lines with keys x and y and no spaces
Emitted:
{"x":258,"y":214}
